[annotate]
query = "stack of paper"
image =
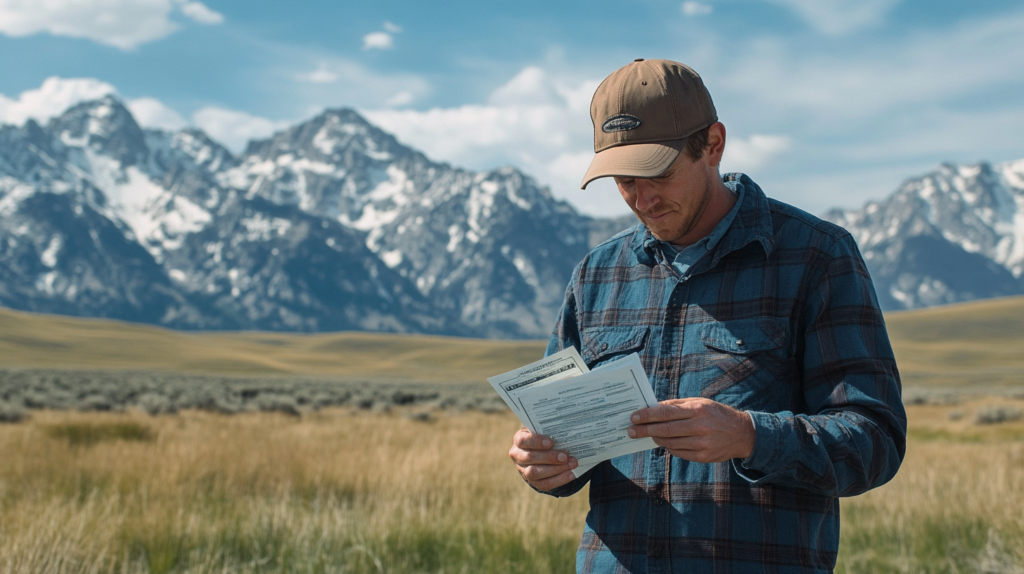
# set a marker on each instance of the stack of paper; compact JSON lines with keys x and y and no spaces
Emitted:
{"x":586,"y":413}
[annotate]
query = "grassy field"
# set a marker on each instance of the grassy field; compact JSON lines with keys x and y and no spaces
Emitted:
{"x":347,"y":491}
{"x":56,"y":342}
{"x":365,"y":479}
{"x":971,"y":345}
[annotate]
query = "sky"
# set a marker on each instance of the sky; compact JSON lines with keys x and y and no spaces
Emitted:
{"x":826,"y":103}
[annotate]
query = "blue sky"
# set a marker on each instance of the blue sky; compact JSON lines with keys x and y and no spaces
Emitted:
{"x":826,"y":102}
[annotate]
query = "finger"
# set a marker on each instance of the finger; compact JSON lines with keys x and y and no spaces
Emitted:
{"x":678,"y":428}
{"x":685,"y":444}
{"x":537,"y":472}
{"x":524,"y":457}
{"x":662,"y":413}
{"x":526,"y":440}
{"x":554,"y":481}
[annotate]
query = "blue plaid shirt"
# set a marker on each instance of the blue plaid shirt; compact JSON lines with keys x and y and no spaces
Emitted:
{"x":773,"y":313}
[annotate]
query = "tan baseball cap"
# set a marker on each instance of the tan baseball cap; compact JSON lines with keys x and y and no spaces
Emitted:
{"x":642,"y":115}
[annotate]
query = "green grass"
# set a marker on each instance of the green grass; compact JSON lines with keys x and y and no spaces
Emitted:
{"x":419,"y":548}
{"x":92,"y":433}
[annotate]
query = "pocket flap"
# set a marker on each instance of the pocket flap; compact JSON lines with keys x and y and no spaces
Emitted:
{"x":744,"y":336}
{"x":605,"y":343}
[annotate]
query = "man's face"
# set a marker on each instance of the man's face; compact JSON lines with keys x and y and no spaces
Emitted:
{"x":670,"y":205}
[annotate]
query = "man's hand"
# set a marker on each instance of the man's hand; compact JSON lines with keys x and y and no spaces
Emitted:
{"x":699,"y":430}
{"x":542,"y":467}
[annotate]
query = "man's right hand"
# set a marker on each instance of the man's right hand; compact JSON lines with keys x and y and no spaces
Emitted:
{"x":542,"y":467}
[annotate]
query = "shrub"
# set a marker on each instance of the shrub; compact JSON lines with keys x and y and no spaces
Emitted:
{"x":11,"y":412}
{"x":995,"y":414}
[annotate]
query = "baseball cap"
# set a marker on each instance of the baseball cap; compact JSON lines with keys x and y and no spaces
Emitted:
{"x":642,"y":115}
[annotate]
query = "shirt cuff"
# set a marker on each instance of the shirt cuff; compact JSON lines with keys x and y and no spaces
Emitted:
{"x":758,"y":467}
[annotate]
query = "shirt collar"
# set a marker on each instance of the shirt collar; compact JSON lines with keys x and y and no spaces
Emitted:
{"x":751,"y":221}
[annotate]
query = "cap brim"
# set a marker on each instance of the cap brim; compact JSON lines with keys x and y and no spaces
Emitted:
{"x":635,"y":160}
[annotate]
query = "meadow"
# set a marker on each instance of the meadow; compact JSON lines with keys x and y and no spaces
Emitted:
{"x":134,"y":449}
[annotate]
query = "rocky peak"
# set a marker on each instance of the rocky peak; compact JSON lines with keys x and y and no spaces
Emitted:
{"x":105,"y":126}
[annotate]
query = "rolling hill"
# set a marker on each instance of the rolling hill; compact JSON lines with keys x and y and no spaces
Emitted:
{"x":969,"y":344}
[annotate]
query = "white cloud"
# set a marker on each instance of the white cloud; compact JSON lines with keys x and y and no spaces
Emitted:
{"x":530,"y":87}
{"x":753,"y":152}
{"x":124,"y":24}
{"x":393,"y":28}
{"x":696,"y":9}
{"x":895,"y":76}
{"x":152,"y":113}
{"x":378,"y":41}
{"x":400,"y":99}
{"x":234,"y":128}
{"x":201,"y":13}
{"x":339,"y":80}
{"x":322,"y":75}
{"x":52,"y":98}
{"x":836,"y":17}
{"x":534,"y":122}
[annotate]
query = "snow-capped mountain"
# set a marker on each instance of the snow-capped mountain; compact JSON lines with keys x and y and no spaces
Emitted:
{"x":334,"y":225}
{"x":952,"y":235}
{"x":329,"y":225}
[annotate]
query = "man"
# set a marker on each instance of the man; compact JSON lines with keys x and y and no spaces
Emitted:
{"x":759,"y":329}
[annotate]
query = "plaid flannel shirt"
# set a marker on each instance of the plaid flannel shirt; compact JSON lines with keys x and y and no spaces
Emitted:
{"x":777,"y":317}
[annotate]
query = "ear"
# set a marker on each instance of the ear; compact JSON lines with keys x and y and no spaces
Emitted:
{"x":716,"y":144}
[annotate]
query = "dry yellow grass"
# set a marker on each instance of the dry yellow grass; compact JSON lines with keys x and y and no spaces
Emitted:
{"x":974,"y":344}
{"x":53,"y":341}
{"x":338,"y":492}
{"x":328,"y":492}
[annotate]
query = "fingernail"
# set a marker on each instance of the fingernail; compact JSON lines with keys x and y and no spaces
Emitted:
{"x":635,"y":418}
{"x":562,"y":457}
{"x":573,"y":463}
{"x":632,"y":433}
{"x":547,"y":443}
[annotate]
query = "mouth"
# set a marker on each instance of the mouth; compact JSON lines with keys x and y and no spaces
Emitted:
{"x":656,"y":216}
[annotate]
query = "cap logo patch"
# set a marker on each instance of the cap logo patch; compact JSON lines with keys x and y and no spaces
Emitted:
{"x":620,"y":123}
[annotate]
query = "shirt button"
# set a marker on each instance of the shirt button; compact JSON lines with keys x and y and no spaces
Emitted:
{"x":660,"y":451}
{"x":739,"y":342}
{"x":604,"y":346}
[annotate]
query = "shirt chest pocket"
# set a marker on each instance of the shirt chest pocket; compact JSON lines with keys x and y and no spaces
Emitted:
{"x":746,"y":365}
{"x":605,"y":344}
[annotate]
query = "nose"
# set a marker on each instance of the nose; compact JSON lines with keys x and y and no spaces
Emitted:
{"x":646,"y":198}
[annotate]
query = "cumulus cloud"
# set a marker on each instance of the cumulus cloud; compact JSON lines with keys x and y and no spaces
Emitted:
{"x":234,"y":128}
{"x":378,"y":41}
{"x":341,"y":80}
{"x":152,"y":113}
{"x":696,"y":9}
{"x":382,"y":40}
{"x":50,"y":99}
{"x":322,"y":75}
{"x":836,"y":17}
{"x":536,"y":121}
{"x":201,"y":13}
{"x":124,"y":24}
{"x":753,"y":152}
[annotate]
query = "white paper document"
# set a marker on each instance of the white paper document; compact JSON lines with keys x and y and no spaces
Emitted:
{"x":586,"y":414}
{"x":562,"y":364}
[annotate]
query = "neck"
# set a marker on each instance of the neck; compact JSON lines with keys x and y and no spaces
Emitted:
{"x":719,"y":203}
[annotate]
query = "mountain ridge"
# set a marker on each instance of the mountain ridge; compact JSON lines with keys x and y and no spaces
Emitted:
{"x":333,"y":224}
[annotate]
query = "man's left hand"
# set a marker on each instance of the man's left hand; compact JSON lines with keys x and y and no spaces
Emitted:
{"x":695,"y":429}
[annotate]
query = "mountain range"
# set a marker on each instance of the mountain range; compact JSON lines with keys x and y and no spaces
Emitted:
{"x":334,"y":225}
{"x":952,"y":235}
